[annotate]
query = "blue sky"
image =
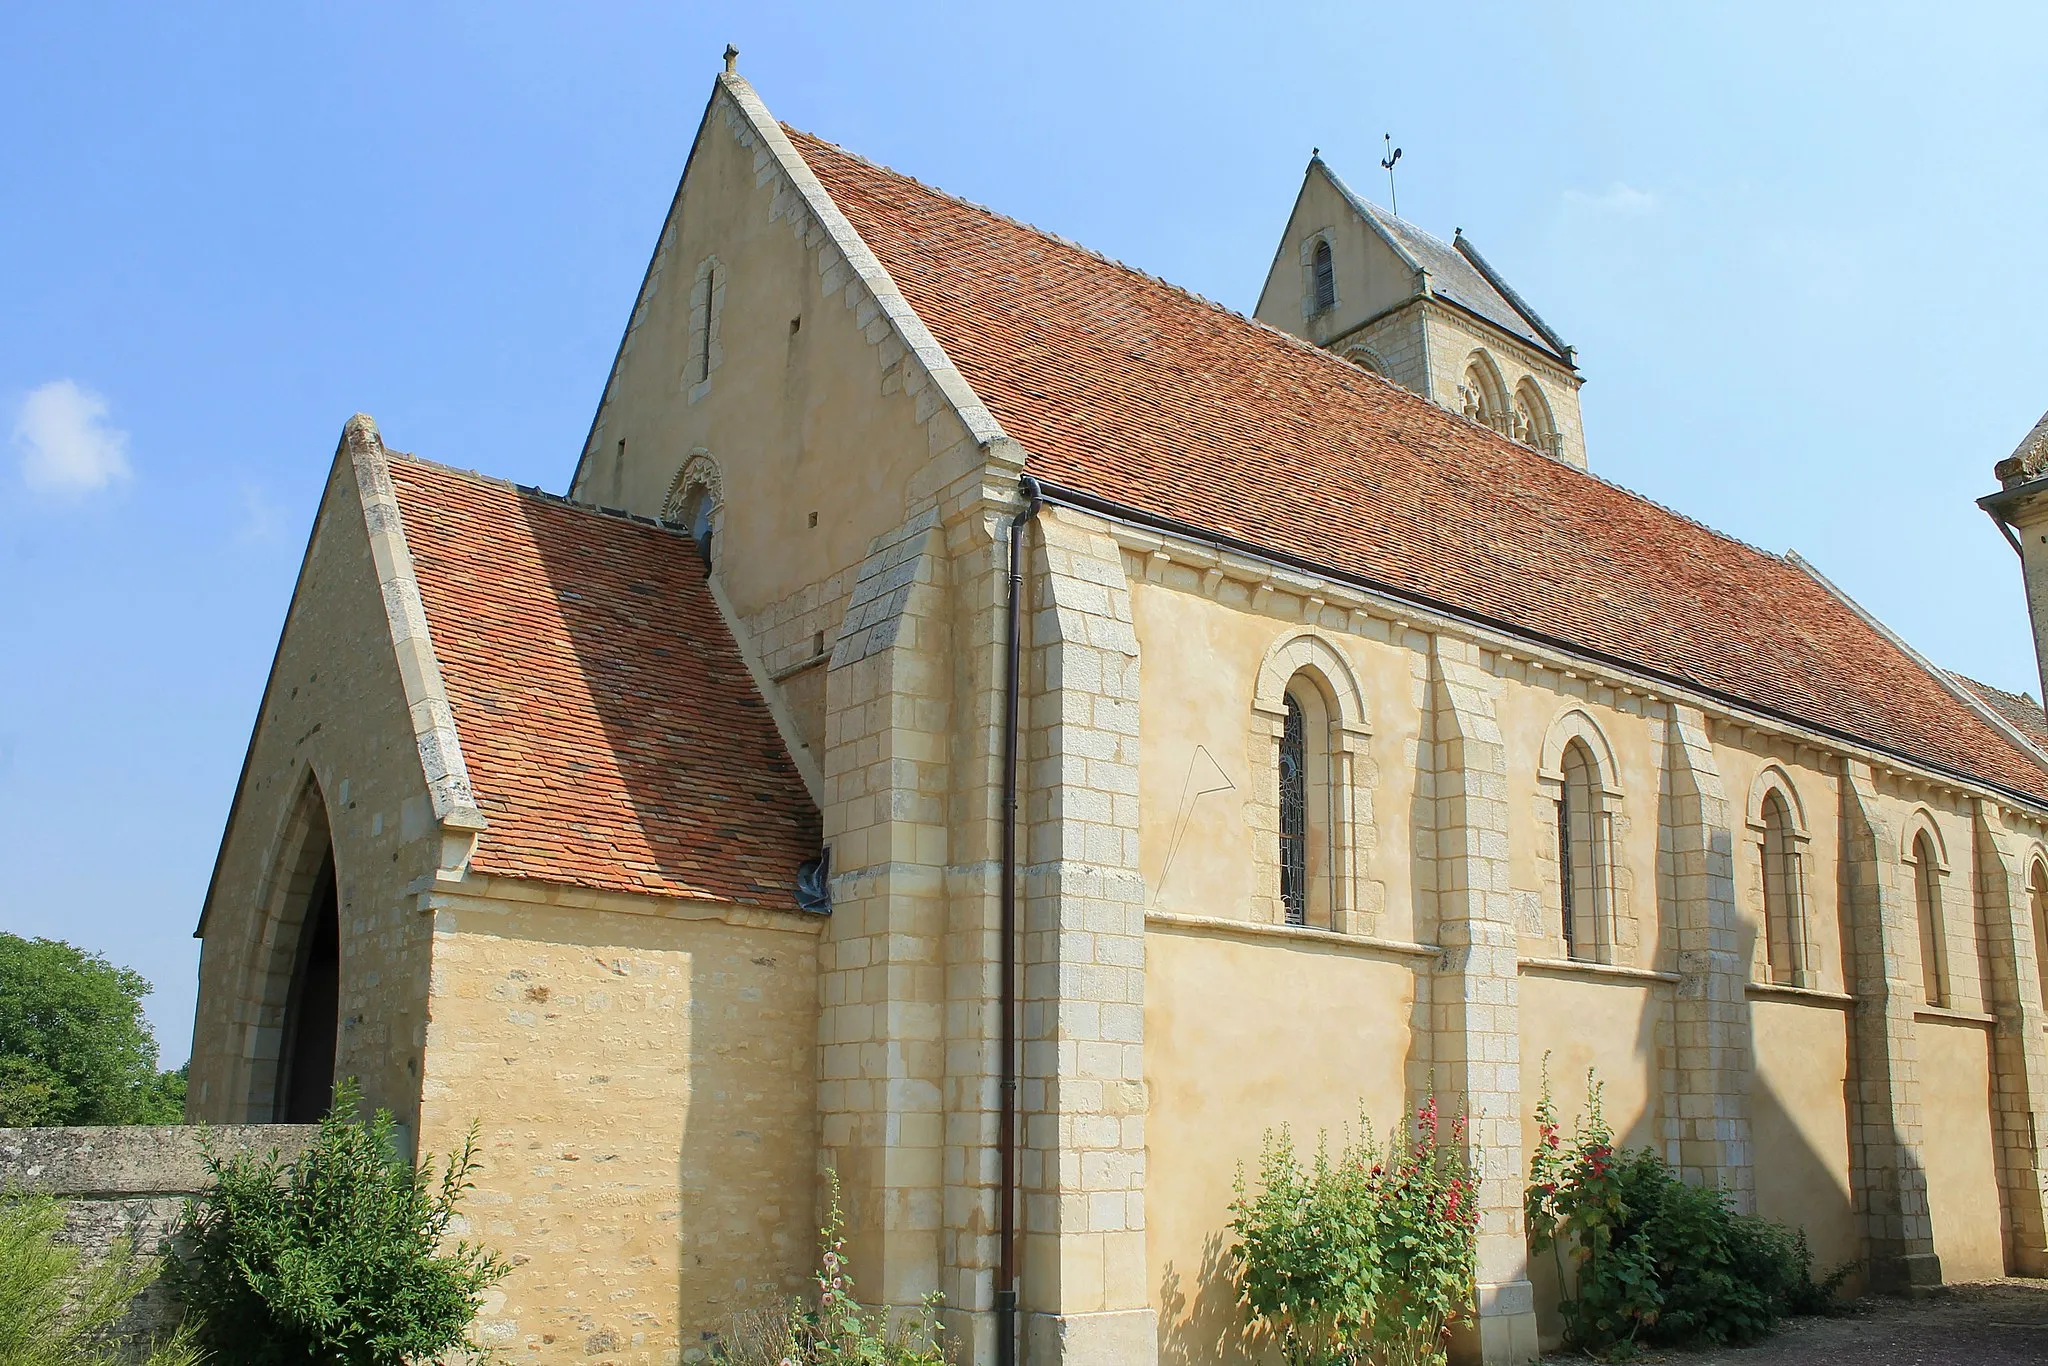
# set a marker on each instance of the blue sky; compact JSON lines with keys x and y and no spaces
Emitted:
{"x":1796,"y":246}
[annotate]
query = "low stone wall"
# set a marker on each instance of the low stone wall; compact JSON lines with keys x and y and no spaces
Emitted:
{"x":129,"y":1182}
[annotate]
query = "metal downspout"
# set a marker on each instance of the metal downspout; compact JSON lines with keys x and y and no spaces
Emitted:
{"x":1006,"y":1132}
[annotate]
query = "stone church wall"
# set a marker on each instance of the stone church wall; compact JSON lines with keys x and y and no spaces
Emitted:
{"x":333,"y":753}
{"x":1249,"y":1028}
{"x":1641,"y":1021}
{"x":1962,"y":1178}
{"x":643,"y":1074}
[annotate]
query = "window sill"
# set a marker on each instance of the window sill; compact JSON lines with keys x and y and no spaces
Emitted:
{"x":1813,"y":995}
{"x":1254,"y":929}
{"x":783,"y":675}
{"x":1962,"y":1017}
{"x":1576,"y":967}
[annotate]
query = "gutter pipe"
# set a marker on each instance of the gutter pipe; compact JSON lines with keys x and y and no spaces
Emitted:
{"x":1006,"y":1130}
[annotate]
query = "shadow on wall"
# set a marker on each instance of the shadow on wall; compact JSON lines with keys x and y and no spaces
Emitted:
{"x":1199,"y":1320}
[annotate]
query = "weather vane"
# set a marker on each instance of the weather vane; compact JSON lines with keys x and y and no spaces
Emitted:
{"x":1387,"y":164}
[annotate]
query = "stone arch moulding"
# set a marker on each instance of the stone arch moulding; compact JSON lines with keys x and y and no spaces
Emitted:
{"x":1773,"y":778}
{"x":1365,"y":358}
{"x":1576,"y":723}
{"x":271,"y":950}
{"x":1354,"y":901}
{"x":699,"y":472}
{"x":1922,"y":821}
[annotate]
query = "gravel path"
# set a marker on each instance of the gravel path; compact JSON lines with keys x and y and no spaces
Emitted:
{"x":1981,"y":1323}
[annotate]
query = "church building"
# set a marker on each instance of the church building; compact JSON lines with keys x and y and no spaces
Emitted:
{"x":995,"y":727}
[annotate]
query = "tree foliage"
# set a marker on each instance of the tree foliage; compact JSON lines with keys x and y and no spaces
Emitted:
{"x":336,"y":1259}
{"x":1364,"y":1257}
{"x":74,"y":1046}
{"x":57,"y":1311}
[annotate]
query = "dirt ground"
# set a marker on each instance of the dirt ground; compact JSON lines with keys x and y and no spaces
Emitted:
{"x":1978,"y":1323}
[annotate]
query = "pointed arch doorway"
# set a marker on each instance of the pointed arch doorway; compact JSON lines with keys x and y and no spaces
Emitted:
{"x":305,"y":1068}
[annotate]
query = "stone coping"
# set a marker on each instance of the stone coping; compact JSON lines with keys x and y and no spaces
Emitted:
{"x":1944,"y":1015}
{"x":133,"y":1160}
{"x":1578,"y":967}
{"x":1257,"y":929}
{"x":1804,"y":995}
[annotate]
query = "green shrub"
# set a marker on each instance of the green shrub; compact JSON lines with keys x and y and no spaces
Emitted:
{"x":1653,"y":1259}
{"x":56,"y":1312}
{"x":336,"y":1259}
{"x":1365,"y":1257}
{"x":832,"y":1328}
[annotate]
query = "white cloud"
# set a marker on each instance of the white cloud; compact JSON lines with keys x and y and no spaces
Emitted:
{"x":1624,"y":201}
{"x":66,"y":445}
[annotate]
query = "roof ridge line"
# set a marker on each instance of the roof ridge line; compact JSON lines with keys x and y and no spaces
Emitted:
{"x":1942,"y":676}
{"x":536,"y":491}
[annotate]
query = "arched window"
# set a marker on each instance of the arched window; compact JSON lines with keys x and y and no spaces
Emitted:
{"x":1583,"y":882}
{"x":1310,"y":795}
{"x":1294,"y":814}
{"x":695,"y":518}
{"x":1323,"y":278}
{"x":1306,"y":815}
{"x":1480,"y":396}
{"x":1933,"y":943}
{"x":1532,"y":421}
{"x":1784,"y":936}
{"x":2037,"y":903}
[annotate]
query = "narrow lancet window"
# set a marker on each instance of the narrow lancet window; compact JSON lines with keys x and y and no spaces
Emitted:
{"x":704,"y":342}
{"x":1933,"y":944}
{"x":2037,"y":902}
{"x":1294,"y":814}
{"x":1784,"y":941}
{"x":1564,"y":867}
{"x":1324,"y":273}
{"x":1583,"y":892}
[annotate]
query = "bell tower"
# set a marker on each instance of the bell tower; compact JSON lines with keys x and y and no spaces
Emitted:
{"x":1429,"y":315}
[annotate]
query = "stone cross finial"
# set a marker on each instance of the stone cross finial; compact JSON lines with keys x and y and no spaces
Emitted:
{"x":732,"y":60}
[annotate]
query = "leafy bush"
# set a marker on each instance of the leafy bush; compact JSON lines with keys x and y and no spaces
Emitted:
{"x":1657,"y":1261}
{"x":1364,"y":1257}
{"x":74,"y":1046}
{"x":833,"y":1328}
{"x":56,"y":1312}
{"x":336,"y":1259}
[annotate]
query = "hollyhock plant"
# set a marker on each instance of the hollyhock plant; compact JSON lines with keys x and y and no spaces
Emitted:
{"x":1362,"y":1257}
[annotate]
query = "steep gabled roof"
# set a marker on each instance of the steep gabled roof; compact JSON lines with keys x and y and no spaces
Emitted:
{"x":613,"y":736}
{"x":1459,"y":276}
{"x":1127,"y":389}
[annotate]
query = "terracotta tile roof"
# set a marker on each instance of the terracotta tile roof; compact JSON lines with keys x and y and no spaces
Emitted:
{"x":2017,"y":708}
{"x":612,"y":733}
{"x":1123,"y":387}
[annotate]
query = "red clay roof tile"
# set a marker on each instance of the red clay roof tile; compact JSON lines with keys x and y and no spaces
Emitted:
{"x":613,"y":735}
{"x":1123,"y":387}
